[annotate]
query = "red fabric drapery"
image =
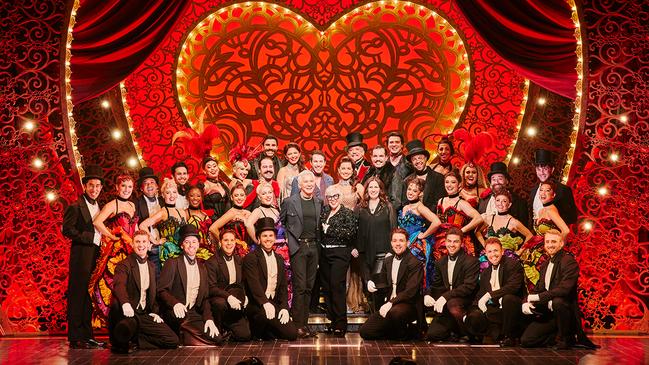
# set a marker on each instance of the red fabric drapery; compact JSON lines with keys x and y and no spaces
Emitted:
{"x":113,"y":37}
{"x":536,"y":37}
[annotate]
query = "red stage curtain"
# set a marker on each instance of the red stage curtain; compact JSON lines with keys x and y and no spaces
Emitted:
{"x":113,"y":37}
{"x":536,"y":37}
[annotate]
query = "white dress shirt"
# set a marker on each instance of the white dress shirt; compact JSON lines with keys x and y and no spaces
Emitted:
{"x":193,"y":283}
{"x":271,"y":265}
{"x":232,"y":272}
{"x":395,"y":275}
{"x":548,"y":275}
{"x":144,"y":283}
{"x":451,"y":267}
{"x":495,"y":283}
{"x":94,"y":210}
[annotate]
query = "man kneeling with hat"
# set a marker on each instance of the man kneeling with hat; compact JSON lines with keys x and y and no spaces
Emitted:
{"x":133,"y":306}
{"x":184,"y":294}
{"x":265,"y":279}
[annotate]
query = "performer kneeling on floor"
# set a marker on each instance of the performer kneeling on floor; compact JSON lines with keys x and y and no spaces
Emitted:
{"x":265,"y":281}
{"x":227,"y":295}
{"x":184,"y":294}
{"x":404,"y":274}
{"x":133,"y":313}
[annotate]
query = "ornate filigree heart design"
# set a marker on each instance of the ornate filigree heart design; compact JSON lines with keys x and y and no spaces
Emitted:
{"x":257,"y":68}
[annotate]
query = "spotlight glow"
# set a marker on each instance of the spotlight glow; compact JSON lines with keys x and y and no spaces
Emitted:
{"x":50,"y":196}
{"x":38,"y":163}
{"x":587,"y":226}
{"x":614,"y":157}
{"x":541,"y":101}
{"x":602,"y":191}
{"x":29,"y":125}
{"x":105,"y":104}
{"x":531,"y":131}
{"x":132,"y":162}
{"x":117,"y":134}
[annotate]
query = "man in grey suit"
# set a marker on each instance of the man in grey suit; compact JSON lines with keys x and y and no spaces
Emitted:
{"x":300,"y":216}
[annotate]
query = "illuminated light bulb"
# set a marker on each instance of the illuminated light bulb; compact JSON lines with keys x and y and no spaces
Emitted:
{"x":117,"y":134}
{"x":105,"y":104}
{"x":541,"y":101}
{"x":531,"y":131}
{"x":38,"y":163}
{"x":29,"y":125}
{"x":50,"y":196}
{"x":614,"y":157}
{"x":516,"y":160}
{"x":588,"y":225}
{"x":132,"y":162}
{"x":624,"y":118}
{"x":602,"y":191}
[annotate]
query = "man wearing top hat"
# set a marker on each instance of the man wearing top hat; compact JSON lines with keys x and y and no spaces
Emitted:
{"x":356,"y":149}
{"x":265,"y":280}
{"x":563,"y":200}
{"x":148,"y":204}
{"x":183,"y":293}
{"x":499,"y":177}
{"x":433,"y":181}
{"x":133,"y":311}
{"x":227,"y":294}
{"x":77,"y":225}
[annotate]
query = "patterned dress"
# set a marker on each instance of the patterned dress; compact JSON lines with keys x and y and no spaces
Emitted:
{"x":533,"y":254}
{"x":510,"y":240}
{"x":169,"y":230}
{"x":451,"y":217}
{"x":207,"y":247}
{"x":422,"y":249}
{"x":100,"y":286}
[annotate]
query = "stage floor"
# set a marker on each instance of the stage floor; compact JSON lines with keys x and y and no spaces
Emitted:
{"x":328,"y":350}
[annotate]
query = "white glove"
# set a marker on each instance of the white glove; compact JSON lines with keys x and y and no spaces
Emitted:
{"x":210,"y":328}
{"x":371,"y":287}
{"x":156,"y":318}
{"x":354,"y":253}
{"x":325,"y":227}
{"x":527,"y":308}
{"x":439,"y":304}
{"x":245,"y":302}
{"x":550,"y":306}
{"x":533,"y":298}
{"x":482,"y":303}
{"x":180,"y":310}
{"x":128,"y":310}
{"x":270,"y":310}
{"x":283,"y":316}
{"x":234,"y":303}
{"x":385,"y":308}
{"x":429,"y":301}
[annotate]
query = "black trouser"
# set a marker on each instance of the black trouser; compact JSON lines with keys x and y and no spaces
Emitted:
{"x":450,"y":320}
{"x":496,"y":322}
{"x":140,"y":328}
{"x":394,"y":326}
{"x":190,"y":329}
{"x":304,"y":264}
{"x":82,"y":264}
{"x":548,"y":324}
{"x":334,"y":263}
{"x":228,"y":318}
{"x":267,"y":329}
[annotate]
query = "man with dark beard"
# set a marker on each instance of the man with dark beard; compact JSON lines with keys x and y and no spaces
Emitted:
{"x":433,"y":181}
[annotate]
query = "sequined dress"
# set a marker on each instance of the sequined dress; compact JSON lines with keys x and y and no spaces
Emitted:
{"x":421,"y":248}
{"x":533,"y":253}
{"x":207,"y":247}
{"x":510,"y":240}
{"x":451,"y":217}
{"x":169,"y":230}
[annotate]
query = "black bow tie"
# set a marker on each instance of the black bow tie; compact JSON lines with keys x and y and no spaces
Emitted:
{"x":269,"y":253}
{"x":90,"y":200}
{"x":316,"y":174}
{"x":227,"y":258}
{"x":191,"y":261}
{"x":495,"y":267}
{"x":421,"y":173}
{"x":398,"y":257}
{"x":151,"y":199}
{"x":141,"y":260}
{"x":183,"y":189}
{"x":452,"y":258}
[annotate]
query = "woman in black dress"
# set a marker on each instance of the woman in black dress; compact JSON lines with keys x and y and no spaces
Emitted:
{"x":376,"y":219}
{"x":216,"y":194}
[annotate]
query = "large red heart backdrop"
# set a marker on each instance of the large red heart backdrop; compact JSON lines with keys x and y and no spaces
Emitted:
{"x":255,"y":68}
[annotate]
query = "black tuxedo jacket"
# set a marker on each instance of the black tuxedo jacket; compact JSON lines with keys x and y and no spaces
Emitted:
{"x":465,"y":278}
{"x":292,"y":219}
{"x":385,"y":174}
{"x":127,"y":285}
{"x":142,"y":210}
{"x":565,"y":275}
{"x":518,"y":210}
{"x":563,"y":200}
{"x":255,"y":277}
{"x":409,"y":278}
{"x":510,"y":277}
{"x":433,"y":189}
{"x":77,"y":223}
{"x":172,"y":286}
{"x":218,"y":275}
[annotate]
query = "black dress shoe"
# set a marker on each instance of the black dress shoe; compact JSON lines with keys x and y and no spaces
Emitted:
{"x":96,"y":343}
{"x":508,"y":342}
{"x":79,"y":345}
{"x":303,"y":333}
{"x":339,"y":333}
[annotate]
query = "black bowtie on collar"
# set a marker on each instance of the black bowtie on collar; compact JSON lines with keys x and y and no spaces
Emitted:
{"x":421,"y":173}
{"x":398,"y":257}
{"x":183,"y":189}
{"x":89,"y":199}
{"x":152,"y":199}
{"x":453,"y":258}
{"x":495,"y":267}
{"x":141,"y":260}
{"x":227,"y":258}
{"x":269,"y":253}
{"x":191,"y":261}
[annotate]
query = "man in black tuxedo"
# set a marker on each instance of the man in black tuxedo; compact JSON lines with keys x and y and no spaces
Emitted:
{"x":499,"y":178}
{"x":434,"y":181}
{"x":77,"y":225}
{"x":184,"y":294}
{"x":300,"y":216}
{"x":497,"y":309}
{"x":133,"y":311}
{"x":563,"y":200}
{"x":265,"y":280}
{"x":148,"y":204}
{"x":553,"y":301}
{"x":402,"y":167}
{"x":227,"y":295}
{"x":404,"y":274}
{"x":454,"y":286}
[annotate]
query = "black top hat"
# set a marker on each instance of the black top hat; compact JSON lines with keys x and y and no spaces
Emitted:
{"x":355,"y":139}
{"x":147,"y":173}
{"x":498,"y":168}
{"x":542,"y":157}
{"x":265,"y":224}
{"x":93,"y":172}
{"x":187,"y":230}
{"x":416,"y":147}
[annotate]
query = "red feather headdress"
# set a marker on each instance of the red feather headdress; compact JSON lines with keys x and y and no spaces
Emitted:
{"x":197,"y":144}
{"x":474,"y":146}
